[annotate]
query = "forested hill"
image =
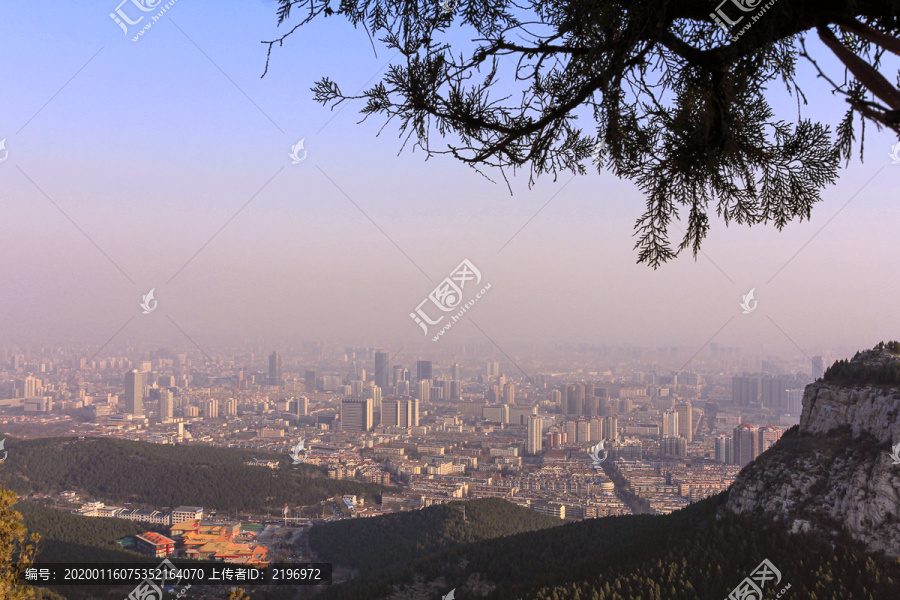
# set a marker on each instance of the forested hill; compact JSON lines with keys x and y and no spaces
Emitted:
{"x":157,"y":475}
{"x":687,"y":555}
{"x":376,"y":543}
{"x":73,"y":538}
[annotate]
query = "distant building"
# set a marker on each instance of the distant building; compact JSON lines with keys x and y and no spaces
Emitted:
{"x":610,"y":428}
{"x":669,"y":424}
{"x":533,"y":439}
{"x":134,"y":392}
{"x":211,"y":409}
{"x":745,"y":441}
{"x":381,"y":368}
{"x":723,"y":449}
{"x":424,"y":370}
{"x":673,"y":446}
{"x":400,"y":412}
{"x":275,"y":370}
{"x":187,"y":513}
{"x":744,"y":390}
{"x":310,"y":379}
{"x":166,"y":405}
{"x":154,"y":544}
{"x":685,"y":421}
{"x":424,"y":388}
{"x":509,"y":393}
{"x":574,"y":399}
{"x":40,"y":404}
{"x":356,"y":414}
{"x":768,"y":435}
{"x":794,"y":401}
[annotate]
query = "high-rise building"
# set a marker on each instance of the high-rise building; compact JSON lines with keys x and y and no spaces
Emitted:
{"x":373,"y":393}
{"x":211,"y":409}
{"x":413,"y":412}
{"x":381,"y":369}
{"x":310,"y":379}
{"x":582,"y":431}
{"x":492,"y":369}
{"x":591,"y":404}
{"x":610,"y":428}
{"x":723,"y":449}
{"x":745,"y":390}
{"x":596,"y":429}
{"x":399,"y":374}
{"x":275,"y":370}
{"x":673,"y":446}
{"x":556,"y":398}
{"x":794,"y":401}
{"x":424,"y":388}
{"x":134,"y":393}
{"x":746,"y":444}
{"x":390,"y":412}
{"x":356,"y":414}
{"x":301,"y":406}
{"x":456,"y":373}
{"x":509,"y":393}
{"x":669,"y":424}
{"x":230,"y":407}
{"x":30,"y":387}
{"x":768,"y":435}
{"x":685,"y":421}
{"x":574,"y":399}
{"x":534,"y":438}
{"x":570,"y":431}
{"x":400,"y":412}
{"x":166,"y":405}
{"x":424,"y":370}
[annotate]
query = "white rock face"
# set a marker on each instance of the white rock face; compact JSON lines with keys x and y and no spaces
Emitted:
{"x":835,"y":476}
{"x":871,"y":410}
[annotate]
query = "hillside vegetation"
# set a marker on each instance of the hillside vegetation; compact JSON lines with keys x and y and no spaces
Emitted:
{"x":688,"y":555}
{"x":157,"y":475}
{"x":379,"y":542}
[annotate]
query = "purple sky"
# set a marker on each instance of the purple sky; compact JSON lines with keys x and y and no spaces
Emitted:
{"x":151,"y":147}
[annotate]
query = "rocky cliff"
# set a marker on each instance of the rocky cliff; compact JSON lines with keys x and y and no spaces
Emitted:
{"x":834,"y":473}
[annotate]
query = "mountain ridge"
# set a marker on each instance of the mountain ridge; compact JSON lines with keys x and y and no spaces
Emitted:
{"x":833,"y":472}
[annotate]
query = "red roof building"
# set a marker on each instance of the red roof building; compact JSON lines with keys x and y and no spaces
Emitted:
{"x":155,"y":544}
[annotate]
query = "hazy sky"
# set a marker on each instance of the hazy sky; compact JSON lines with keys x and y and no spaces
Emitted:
{"x":151,"y":147}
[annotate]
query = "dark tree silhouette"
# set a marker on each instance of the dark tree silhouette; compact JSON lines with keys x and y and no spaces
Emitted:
{"x":679,"y":102}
